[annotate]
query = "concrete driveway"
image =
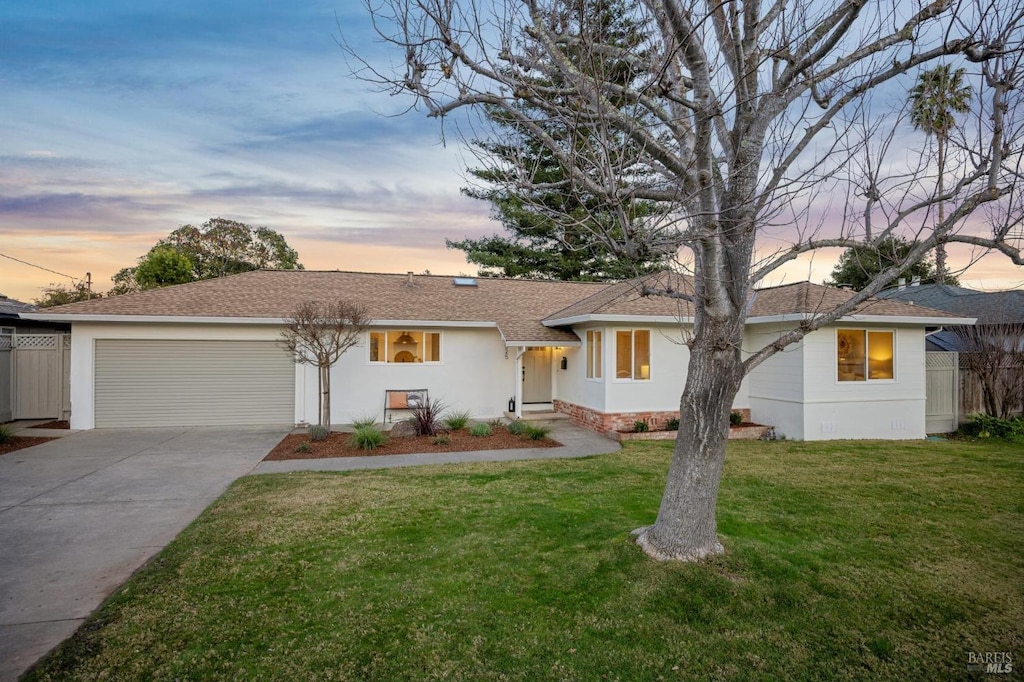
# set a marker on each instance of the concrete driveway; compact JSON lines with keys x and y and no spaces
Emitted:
{"x":79,"y":515}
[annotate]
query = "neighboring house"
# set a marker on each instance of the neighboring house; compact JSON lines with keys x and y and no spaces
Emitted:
{"x":991,"y":354}
{"x":11,"y":320}
{"x":993,"y":310}
{"x":206,"y":353}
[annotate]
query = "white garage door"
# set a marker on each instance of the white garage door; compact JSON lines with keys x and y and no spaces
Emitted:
{"x":193,"y":383}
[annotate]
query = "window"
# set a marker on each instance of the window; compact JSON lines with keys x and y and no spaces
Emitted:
{"x":405,"y":346}
{"x":863,"y":355}
{"x":633,"y":354}
{"x":594,"y":354}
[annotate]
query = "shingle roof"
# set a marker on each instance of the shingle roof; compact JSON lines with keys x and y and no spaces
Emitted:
{"x":807,"y":298}
{"x":997,"y":307}
{"x":801,"y":298}
{"x":11,"y":308}
{"x":516,"y":306}
{"x":626,"y":298}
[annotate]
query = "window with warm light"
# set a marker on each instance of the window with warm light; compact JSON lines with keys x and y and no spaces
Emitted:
{"x":594,"y":354}
{"x":633,"y":354}
{"x":405,"y":347}
{"x":863,"y":355}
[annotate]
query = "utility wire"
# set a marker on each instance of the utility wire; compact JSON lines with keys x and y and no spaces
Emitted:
{"x":25,"y":262}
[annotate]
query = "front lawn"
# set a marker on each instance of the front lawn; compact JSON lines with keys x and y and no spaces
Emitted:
{"x":851,"y":560}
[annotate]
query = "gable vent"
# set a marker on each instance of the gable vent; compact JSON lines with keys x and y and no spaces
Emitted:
{"x":465,"y":281}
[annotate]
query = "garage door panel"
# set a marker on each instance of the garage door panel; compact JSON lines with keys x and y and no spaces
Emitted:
{"x":192,"y":383}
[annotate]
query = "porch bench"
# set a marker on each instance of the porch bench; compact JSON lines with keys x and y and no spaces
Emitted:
{"x":403,"y":399}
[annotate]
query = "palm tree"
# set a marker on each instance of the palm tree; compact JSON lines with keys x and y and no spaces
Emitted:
{"x":939,"y":94}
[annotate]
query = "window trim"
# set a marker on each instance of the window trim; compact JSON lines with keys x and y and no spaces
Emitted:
{"x":867,"y":356}
{"x":632,"y":355}
{"x":594,"y":355}
{"x":386,"y":331}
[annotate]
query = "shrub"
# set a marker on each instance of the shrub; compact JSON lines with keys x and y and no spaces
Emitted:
{"x":640,"y":426}
{"x":5,"y":434}
{"x":480,"y":430}
{"x":426,"y":417}
{"x":367,"y":438}
{"x":442,"y":439}
{"x":986,"y":426}
{"x":516,"y":428}
{"x":457,"y":420}
{"x":318,"y":432}
{"x":672,"y":424}
{"x":735,"y":418}
{"x":304,"y":447}
{"x":535,"y":432}
{"x":363,"y":422}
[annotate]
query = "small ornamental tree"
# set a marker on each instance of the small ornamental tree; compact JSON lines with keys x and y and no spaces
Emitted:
{"x":993,"y":351}
{"x":318,"y":333}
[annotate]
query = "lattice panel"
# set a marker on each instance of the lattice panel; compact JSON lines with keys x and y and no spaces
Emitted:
{"x":6,"y":342}
{"x":36,"y":341}
{"x":936,"y":360}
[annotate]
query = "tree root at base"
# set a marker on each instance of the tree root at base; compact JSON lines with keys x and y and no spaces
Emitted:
{"x":643,"y":539}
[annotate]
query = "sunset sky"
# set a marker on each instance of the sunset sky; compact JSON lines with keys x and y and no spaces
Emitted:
{"x":120,"y":121}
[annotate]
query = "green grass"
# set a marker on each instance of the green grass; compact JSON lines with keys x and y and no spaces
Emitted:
{"x":850,"y":560}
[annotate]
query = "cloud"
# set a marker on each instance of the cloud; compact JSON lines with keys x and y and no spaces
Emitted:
{"x":44,"y":160}
{"x":77,"y":204}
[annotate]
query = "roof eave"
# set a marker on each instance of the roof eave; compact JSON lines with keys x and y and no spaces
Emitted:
{"x":889,"y":319}
{"x":632,"y":319}
{"x":515,"y":343}
{"x":198,"y":319}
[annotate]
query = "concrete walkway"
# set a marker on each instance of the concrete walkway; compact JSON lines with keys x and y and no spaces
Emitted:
{"x":576,"y":442}
{"x":80,"y":514}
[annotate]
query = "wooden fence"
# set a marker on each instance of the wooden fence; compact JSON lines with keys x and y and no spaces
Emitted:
{"x":972,"y":395}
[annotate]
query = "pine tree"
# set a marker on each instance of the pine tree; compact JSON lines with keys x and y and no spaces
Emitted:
{"x":560,"y":232}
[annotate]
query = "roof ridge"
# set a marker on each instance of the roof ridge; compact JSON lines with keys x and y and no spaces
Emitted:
{"x":483,"y":278}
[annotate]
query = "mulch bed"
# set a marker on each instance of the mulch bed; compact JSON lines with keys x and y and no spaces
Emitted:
{"x":61,"y":424}
{"x":337,"y":445}
{"x":19,"y":442}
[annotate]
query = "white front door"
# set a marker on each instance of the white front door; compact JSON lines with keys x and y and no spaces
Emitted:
{"x":537,"y":376}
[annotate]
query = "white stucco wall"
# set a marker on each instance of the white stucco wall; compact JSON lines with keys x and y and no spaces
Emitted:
{"x":474,"y":374}
{"x":572,"y":385}
{"x":85,"y":334}
{"x":776,"y":386}
{"x":865,"y":409}
{"x":670,"y":359}
{"x":798,"y":391}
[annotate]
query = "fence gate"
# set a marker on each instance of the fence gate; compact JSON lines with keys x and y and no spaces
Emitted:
{"x":42,"y":376}
{"x":942,"y":398}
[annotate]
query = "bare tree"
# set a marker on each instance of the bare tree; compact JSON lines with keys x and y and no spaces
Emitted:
{"x":318,"y":333}
{"x":993,"y":353}
{"x":740,"y":120}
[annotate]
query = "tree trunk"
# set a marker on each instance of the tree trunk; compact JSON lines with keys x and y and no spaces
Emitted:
{"x":940,"y":248}
{"x":325,"y":396}
{"x":685,"y":528}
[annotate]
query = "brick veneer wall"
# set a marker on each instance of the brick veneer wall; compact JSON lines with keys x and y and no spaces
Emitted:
{"x":605,"y":422}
